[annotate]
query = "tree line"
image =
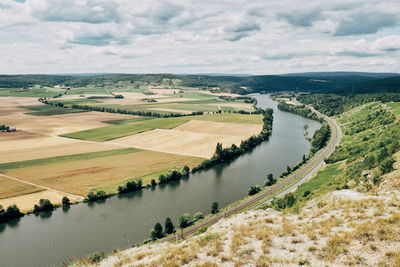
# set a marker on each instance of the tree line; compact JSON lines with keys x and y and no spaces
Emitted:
{"x":227,"y":154}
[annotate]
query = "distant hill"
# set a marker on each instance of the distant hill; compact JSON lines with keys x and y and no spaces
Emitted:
{"x":341,"y":74}
{"x":319,"y":82}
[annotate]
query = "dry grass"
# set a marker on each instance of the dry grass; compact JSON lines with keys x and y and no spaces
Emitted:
{"x":26,"y":202}
{"x":10,"y":188}
{"x":178,"y":142}
{"x":79,"y":177}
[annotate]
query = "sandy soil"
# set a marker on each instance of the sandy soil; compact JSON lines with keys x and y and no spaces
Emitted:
{"x":171,"y":110}
{"x":79,"y":177}
{"x":48,"y":125}
{"x":178,"y":142}
{"x":14,"y":102}
{"x":26,"y":202}
{"x":242,"y":130}
{"x":45,"y":147}
{"x":93,"y":116}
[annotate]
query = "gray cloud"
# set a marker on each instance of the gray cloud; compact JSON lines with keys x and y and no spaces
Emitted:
{"x":365,"y":23}
{"x":356,"y":54}
{"x":241,"y":30}
{"x":303,"y":18}
{"x":93,"y":11}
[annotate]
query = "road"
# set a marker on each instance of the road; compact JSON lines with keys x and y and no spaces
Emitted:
{"x":289,"y":184}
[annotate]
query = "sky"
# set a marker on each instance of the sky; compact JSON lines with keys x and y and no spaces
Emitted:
{"x":207,"y":36}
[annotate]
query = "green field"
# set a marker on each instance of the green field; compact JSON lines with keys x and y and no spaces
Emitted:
{"x":395,"y":108}
{"x":116,"y":131}
{"x":124,"y":121}
{"x":45,"y":110}
{"x":193,"y":95}
{"x":42,"y":92}
{"x":68,"y":158}
{"x":325,"y":181}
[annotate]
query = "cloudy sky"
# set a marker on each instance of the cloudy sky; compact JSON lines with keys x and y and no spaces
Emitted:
{"x":207,"y":36}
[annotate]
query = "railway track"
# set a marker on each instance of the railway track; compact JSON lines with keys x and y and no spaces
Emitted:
{"x":283,"y":187}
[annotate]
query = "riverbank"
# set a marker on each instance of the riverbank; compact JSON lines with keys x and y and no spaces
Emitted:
{"x":121,"y":221}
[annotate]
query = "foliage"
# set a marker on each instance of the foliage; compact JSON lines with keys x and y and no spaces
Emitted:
{"x":184,"y":220}
{"x":254,"y":189}
{"x":44,"y":205}
{"x":299,"y":110}
{"x":93,"y":196}
{"x":198,"y":216}
{"x":169,"y":226}
{"x":214,"y":207}
{"x":227,"y":154}
{"x":320,"y":138}
{"x":5,"y":128}
{"x":12,"y":212}
{"x":130,"y":186}
{"x":284,"y":202}
{"x":95,"y":257}
{"x":270,"y":180}
{"x":157,"y":232}
{"x":65,"y":201}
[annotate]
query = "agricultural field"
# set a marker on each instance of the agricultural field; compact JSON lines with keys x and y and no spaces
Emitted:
{"x":64,"y":151}
{"x":83,"y":175}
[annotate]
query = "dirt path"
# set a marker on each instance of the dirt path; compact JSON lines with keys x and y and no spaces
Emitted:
{"x":41,"y":186}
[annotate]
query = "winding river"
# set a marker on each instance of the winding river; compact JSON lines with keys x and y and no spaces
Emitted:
{"x":120,"y":222}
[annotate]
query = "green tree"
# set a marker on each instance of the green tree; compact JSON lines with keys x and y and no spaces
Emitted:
{"x":214,"y":207}
{"x":270,"y":180}
{"x":158,"y":230}
{"x":184,"y":220}
{"x":186,"y":170}
{"x":254,"y":189}
{"x":169,"y":226}
{"x":65,"y":201}
{"x":153,"y":182}
{"x":198,"y":216}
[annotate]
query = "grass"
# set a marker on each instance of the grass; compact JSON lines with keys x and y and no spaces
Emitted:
{"x":117,"y":131}
{"x":45,"y":110}
{"x":120,"y":130}
{"x":395,"y":108}
{"x":125,"y":121}
{"x":42,"y":92}
{"x":65,"y":159}
{"x":193,"y":95}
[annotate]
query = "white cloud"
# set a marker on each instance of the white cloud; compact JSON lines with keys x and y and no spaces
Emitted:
{"x":184,"y":36}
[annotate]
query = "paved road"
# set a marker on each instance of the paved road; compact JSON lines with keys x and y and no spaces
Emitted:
{"x":297,"y":178}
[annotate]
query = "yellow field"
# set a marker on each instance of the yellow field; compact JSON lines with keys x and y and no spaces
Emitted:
{"x":26,"y":202}
{"x":45,"y":147}
{"x":243,"y":130}
{"x":193,"y":138}
{"x":81,"y":176}
{"x":10,"y":188}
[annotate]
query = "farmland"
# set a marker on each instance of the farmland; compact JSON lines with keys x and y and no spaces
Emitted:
{"x":61,"y":150}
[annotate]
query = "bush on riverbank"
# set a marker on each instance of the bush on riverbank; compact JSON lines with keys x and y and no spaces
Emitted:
{"x":12,"y":212}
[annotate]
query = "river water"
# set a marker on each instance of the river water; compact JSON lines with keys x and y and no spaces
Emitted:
{"x":119,"y":222}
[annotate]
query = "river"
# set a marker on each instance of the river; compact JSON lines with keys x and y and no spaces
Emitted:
{"x":119,"y":222}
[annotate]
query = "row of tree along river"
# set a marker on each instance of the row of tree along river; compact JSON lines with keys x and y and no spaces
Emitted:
{"x":124,"y":220}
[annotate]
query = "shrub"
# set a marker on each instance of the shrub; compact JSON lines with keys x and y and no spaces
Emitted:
{"x":254,"y":189}
{"x":95,"y":257}
{"x":198,"y":216}
{"x":214,"y":208}
{"x":66,"y":202}
{"x":44,"y":205}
